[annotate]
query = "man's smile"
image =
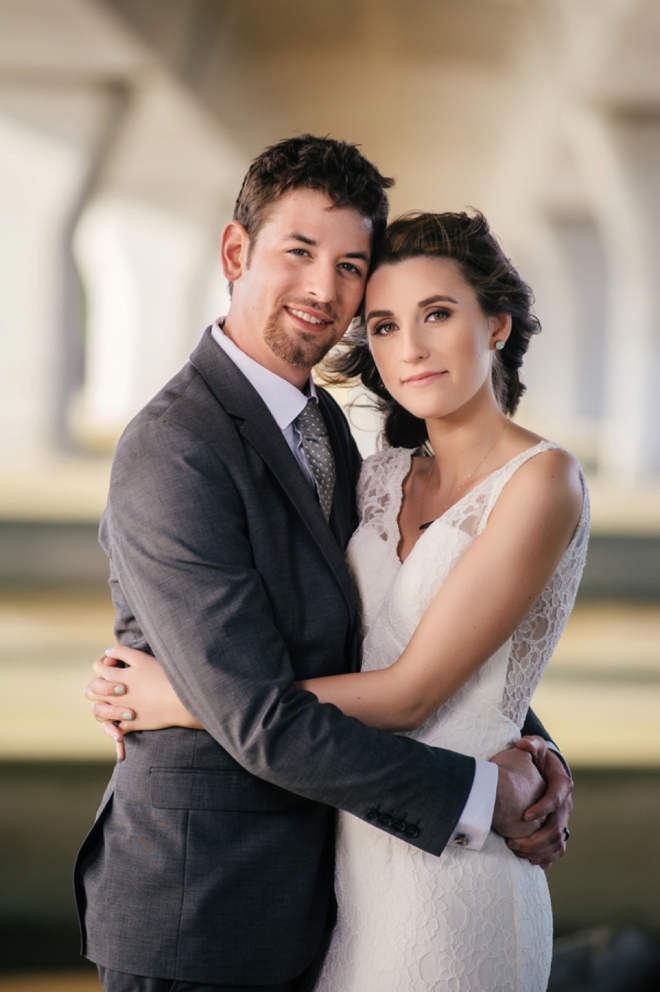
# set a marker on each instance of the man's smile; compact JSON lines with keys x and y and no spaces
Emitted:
{"x":308,"y":317}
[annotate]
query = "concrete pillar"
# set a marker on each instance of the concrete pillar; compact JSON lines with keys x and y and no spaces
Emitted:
{"x":621,"y":155}
{"x":49,"y":142}
{"x":142,"y":269}
{"x":147,"y":247}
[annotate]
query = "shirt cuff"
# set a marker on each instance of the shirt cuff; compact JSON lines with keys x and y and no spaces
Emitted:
{"x":477,"y":816}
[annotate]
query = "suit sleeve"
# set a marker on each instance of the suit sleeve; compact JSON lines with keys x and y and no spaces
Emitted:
{"x":533,"y":726}
{"x":188,"y":572}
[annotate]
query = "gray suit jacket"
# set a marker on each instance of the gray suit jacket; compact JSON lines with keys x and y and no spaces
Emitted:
{"x":211,"y":858}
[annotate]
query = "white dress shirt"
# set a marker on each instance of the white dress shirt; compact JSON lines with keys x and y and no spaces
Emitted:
{"x":285,"y":401}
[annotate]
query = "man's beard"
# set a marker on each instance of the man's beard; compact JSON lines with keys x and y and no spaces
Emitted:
{"x":303,"y":351}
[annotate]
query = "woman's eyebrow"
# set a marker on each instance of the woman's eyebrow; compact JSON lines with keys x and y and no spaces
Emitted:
{"x":379,"y":313}
{"x":437,"y":299}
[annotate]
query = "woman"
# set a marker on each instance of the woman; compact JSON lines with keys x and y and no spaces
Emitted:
{"x":467,"y":562}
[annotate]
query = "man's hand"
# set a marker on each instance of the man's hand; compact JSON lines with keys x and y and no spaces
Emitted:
{"x":549,"y":842}
{"x":519,"y":786}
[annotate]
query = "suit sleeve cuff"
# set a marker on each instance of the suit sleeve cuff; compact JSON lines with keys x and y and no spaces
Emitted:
{"x":474,"y":824}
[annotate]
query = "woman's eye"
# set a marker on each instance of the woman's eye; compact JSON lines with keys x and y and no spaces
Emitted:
{"x":436,"y":315}
{"x":383,"y":329}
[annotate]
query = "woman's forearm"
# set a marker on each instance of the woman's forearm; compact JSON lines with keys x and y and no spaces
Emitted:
{"x":376,"y":698}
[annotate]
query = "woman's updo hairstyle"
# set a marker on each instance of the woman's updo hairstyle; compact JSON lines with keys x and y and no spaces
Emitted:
{"x":499,"y":289}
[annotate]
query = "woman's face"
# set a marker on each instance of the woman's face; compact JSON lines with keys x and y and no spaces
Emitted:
{"x":429,"y":337}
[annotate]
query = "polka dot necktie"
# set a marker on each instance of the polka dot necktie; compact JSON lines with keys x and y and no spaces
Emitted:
{"x":316,"y":445}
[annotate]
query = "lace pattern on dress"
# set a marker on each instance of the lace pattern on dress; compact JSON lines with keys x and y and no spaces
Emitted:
{"x":468,"y":921}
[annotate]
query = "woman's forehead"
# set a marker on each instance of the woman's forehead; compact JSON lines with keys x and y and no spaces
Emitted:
{"x":407,"y":277}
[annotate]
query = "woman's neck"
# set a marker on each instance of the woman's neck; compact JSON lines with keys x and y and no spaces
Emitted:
{"x":459,"y":442}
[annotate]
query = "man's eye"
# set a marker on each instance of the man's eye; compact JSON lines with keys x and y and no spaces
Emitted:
{"x":298,"y":251}
{"x":349,"y":267}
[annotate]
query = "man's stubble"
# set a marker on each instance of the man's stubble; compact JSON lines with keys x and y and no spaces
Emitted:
{"x":302,"y":351}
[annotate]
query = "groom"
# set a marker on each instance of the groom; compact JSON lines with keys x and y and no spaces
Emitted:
{"x":231,"y":503}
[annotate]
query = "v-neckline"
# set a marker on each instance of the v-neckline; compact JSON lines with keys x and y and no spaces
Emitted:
{"x":458,"y":502}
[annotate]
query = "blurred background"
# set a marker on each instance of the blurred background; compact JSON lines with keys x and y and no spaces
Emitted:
{"x":125,"y":129}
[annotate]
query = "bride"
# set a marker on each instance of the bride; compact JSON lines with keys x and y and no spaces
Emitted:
{"x":468,"y":555}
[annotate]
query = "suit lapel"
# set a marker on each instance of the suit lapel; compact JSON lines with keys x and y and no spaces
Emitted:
{"x":256,"y":424}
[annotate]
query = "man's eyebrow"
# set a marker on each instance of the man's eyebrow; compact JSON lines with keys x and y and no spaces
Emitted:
{"x":297,"y":236}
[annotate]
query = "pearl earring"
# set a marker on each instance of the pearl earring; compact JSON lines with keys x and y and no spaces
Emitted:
{"x":499,"y":345}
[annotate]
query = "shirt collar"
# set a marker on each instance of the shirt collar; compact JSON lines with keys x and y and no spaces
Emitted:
{"x":284,"y":400}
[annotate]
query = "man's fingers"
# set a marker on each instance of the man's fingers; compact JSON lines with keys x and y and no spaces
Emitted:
{"x":545,"y":846}
{"x":557,"y":796}
{"x":547,"y":804}
{"x":537,"y":748}
{"x":107,"y":711}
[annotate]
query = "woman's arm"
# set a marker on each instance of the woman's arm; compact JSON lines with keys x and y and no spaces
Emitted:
{"x":478,"y":608}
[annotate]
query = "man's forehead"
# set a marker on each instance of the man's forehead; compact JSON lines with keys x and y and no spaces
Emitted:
{"x":311,"y":214}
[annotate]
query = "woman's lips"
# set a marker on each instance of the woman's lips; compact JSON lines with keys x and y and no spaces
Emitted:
{"x":423,"y":379}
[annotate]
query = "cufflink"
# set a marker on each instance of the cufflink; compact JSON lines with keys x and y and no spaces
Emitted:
{"x":460,"y":840}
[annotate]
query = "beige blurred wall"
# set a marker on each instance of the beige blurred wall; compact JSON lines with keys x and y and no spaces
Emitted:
{"x":126,"y":125}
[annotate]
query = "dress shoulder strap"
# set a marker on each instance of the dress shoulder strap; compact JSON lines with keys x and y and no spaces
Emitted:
{"x":379,"y":491}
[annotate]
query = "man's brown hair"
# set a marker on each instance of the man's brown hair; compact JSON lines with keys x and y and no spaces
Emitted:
{"x":336,"y":168}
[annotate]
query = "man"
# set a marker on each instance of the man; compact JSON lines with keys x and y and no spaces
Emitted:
{"x":231,"y":503}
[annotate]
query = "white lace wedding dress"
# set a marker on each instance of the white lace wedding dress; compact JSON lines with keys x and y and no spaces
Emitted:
{"x":467,"y":921}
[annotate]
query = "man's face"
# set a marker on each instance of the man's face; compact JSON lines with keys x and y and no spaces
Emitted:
{"x":303,"y":284}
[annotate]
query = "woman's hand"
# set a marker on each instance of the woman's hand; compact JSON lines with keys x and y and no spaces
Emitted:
{"x":136,"y":697}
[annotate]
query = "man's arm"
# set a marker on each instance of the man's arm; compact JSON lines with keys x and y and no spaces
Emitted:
{"x":180,"y":547}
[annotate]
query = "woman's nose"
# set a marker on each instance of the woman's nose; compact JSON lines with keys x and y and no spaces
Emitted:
{"x":413,"y":348}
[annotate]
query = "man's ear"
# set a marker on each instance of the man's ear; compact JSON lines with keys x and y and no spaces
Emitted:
{"x":234,"y":245}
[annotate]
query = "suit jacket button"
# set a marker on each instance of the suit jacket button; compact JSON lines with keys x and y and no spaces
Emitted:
{"x":411,"y":831}
{"x":372,"y":814}
{"x":399,"y":825}
{"x":386,"y":820}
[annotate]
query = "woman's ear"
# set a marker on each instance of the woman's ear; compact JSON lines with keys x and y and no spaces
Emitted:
{"x":234,"y":245}
{"x":500,"y":328}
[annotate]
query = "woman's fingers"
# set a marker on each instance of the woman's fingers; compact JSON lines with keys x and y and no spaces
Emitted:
{"x":121,"y":653}
{"x":101,"y":688}
{"x":118,"y":737}
{"x":108,"y":711}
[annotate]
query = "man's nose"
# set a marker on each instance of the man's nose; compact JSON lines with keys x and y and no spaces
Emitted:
{"x":322,"y":281}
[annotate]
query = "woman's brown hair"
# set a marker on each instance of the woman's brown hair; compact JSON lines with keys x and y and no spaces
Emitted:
{"x":467,"y":241}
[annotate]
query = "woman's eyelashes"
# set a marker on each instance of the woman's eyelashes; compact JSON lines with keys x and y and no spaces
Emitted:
{"x":440,"y":313}
{"x":435,"y":316}
{"x":383,"y":329}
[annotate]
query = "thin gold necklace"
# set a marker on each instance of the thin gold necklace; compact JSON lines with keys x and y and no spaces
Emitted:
{"x":458,"y":488}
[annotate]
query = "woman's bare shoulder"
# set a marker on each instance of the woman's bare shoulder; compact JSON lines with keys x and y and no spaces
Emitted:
{"x":550,"y":483}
